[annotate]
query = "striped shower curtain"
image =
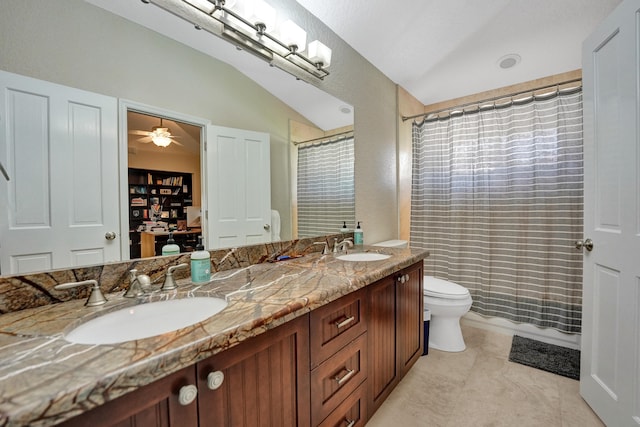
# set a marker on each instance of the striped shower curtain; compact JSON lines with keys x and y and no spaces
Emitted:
{"x":326,"y":190}
{"x":497,"y":198}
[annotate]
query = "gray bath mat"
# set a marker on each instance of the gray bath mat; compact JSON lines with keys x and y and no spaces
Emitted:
{"x":548,"y":357}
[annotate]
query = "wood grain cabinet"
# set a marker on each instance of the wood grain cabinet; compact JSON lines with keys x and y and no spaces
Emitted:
{"x":168,"y":402}
{"x":338,"y":355}
{"x":331,"y":368}
{"x":263,"y":382}
{"x":395,"y":331}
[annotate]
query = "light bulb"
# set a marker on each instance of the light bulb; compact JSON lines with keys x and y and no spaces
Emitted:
{"x":292,"y":35}
{"x":319,"y":54}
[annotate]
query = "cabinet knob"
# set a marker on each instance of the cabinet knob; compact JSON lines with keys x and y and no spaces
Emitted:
{"x":350,"y":423}
{"x":215,"y":380}
{"x":187,"y":394}
{"x":404,"y":278}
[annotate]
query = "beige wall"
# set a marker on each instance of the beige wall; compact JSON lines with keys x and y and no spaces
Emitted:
{"x":76,"y":44}
{"x":407,"y":106}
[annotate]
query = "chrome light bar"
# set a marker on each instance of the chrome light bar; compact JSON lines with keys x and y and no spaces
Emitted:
{"x":253,"y":34}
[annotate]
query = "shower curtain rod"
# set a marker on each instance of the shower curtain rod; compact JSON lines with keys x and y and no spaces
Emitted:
{"x":479,"y":103}
{"x":325,"y":138}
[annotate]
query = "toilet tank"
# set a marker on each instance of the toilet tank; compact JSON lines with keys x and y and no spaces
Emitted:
{"x":392,"y":244}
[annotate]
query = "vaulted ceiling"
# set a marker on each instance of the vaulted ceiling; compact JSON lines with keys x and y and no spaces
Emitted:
{"x":440,"y":50}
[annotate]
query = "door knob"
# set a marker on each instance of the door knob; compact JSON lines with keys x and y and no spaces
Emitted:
{"x":110,"y":235}
{"x":587,"y":244}
{"x":267,"y":227}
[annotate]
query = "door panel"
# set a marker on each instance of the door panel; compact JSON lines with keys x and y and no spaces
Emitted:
{"x":609,"y":377}
{"x":239,"y":186}
{"x":60,"y":147}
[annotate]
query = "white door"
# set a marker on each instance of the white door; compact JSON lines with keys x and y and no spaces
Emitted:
{"x":59,"y":146}
{"x":238,"y":187}
{"x":609,"y":377}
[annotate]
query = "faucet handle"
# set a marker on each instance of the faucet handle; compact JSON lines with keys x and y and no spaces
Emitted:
{"x":169,"y":282}
{"x":325,"y":250}
{"x":95,"y":297}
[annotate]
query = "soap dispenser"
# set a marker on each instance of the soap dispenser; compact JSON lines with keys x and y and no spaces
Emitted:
{"x":200,"y":264}
{"x":170,"y":248}
{"x":358,"y":235}
{"x":344,"y":228}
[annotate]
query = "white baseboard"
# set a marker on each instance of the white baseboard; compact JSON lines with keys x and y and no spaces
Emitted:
{"x":504,"y":326}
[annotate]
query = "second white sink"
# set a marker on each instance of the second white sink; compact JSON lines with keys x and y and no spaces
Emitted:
{"x":145,"y":320}
{"x":363,"y":256}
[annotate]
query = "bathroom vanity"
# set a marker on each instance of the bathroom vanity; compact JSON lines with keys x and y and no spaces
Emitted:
{"x":313,"y":340}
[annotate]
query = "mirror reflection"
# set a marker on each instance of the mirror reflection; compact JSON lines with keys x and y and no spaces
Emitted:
{"x":163,"y":179}
{"x":85,"y":51}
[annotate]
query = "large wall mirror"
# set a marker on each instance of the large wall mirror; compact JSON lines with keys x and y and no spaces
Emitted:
{"x":91,"y":49}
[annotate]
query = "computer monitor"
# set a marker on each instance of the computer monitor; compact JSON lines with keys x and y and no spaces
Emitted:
{"x":194,"y":217}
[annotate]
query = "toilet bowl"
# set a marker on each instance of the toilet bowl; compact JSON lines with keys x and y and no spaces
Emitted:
{"x":447,"y":302}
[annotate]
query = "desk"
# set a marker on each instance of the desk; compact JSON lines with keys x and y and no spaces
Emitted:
{"x":148,"y":240}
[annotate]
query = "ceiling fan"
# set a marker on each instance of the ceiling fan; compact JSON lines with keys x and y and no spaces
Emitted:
{"x":159,"y":135}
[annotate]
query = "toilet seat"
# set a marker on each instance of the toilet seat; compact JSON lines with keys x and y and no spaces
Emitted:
{"x":439,"y":288}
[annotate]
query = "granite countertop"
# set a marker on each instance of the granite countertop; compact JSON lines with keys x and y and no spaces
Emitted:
{"x":45,"y":379}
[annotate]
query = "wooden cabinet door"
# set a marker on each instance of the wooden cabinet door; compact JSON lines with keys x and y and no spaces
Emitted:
{"x":261,"y":382}
{"x":383,"y":368}
{"x":154,"y":405}
{"x":410,"y":327}
{"x":395,"y":331}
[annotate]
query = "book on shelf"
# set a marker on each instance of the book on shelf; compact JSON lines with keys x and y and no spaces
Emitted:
{"x":139,"y":201}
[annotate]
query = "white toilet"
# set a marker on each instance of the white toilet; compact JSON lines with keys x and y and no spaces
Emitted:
{"x":392,"y":244}
{"x":447,"y":302}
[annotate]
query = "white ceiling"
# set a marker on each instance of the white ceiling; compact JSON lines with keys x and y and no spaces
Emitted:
{"x":436,"y":49}
{"x":444,"y":49}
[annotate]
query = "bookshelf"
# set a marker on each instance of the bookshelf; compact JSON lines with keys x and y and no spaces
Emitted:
{"x":156,"y":195}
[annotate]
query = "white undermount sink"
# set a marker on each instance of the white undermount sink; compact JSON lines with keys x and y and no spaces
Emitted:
{"x":145,"y":320}
{"x":363,"y":256}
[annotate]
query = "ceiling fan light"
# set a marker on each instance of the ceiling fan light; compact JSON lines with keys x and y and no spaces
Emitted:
{"x":292,"y":35}
{"x":161,"y":136}
{"x":204,"y":5}
{"x":161,"y":141}
{"x":319,"y":53}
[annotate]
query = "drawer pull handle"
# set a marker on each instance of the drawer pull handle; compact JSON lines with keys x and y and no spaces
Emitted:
{"x":345,"y":322}
{"x":350,"y":423}
{"x":345,"y":377}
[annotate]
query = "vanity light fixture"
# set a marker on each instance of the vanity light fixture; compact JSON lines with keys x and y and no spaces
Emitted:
{"x":250,"y":26}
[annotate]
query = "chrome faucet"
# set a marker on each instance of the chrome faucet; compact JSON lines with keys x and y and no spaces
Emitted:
{"x":339,"y":247}
{"x":169,"y":282}
{"x":95,"y":297}
{"x":138,"y":284}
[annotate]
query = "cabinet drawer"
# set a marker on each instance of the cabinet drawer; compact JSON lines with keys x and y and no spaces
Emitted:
{"x":352,"y":412}
{"x":336,"y":324}
{"x":334,"y":380}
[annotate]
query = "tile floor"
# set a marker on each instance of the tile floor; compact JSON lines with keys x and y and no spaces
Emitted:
{"x":479,"y":387}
